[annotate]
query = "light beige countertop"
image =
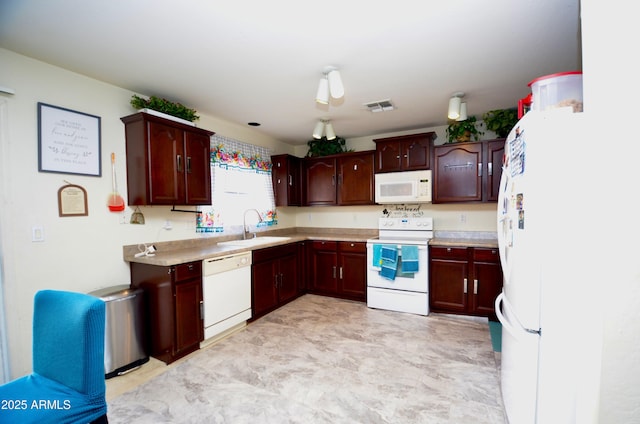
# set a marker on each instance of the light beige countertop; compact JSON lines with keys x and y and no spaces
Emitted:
{"x":465,"y":239}
{"x":182,"y":251}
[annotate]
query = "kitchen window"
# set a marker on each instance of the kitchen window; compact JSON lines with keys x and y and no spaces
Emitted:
{"x":240,"y":180}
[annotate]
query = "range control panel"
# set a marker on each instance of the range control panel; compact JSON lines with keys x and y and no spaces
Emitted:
{"x":406,"y":223}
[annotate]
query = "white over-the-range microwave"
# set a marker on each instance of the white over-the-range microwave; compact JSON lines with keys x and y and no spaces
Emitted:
{"x":403,"y":187}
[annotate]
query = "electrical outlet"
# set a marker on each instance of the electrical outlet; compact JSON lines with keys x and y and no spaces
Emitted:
{"x":37,"y":233}
{"x":463,"y":218}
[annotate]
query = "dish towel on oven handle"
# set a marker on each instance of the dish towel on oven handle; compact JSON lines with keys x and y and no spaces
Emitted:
{"x":410,"y":262}
{"x":376,"y":262}
{"x":388,"y":261}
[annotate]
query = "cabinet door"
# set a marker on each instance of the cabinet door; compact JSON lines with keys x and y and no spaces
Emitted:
{"x":288,"y":278}
{"x":189,"y":318}
{"x":486,"y":287}
{"x":324,"y":267}
{"x":160,"y":324}
{"x":265,"y":287}
{"x":197,"y":169}
{"x":166,"y":154}
{"x":352,"y":270}
{"x":321,"y":182}
{"x":286,"y":180}
{"x":404,"y":153}
{"x":448,"y":278}
{"x":388,"y":156}
{"x":448,"y":285}
{"x":355,"y":179}
{"x":458,"y":172}
{"x":495,"y":153}
{"x":487,"y":281}
{"x":416,"y":152}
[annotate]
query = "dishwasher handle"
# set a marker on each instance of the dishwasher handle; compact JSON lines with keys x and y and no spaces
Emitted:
{"x":222,"y":264}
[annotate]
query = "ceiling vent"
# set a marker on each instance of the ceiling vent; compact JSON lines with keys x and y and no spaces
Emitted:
{"x":380,"y":106}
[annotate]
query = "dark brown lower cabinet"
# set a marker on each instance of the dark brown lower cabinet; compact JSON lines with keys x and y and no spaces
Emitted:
{"x":173,"y":300}
{"x":274,"y":278}
{"x":464,"y":280}
{"x":338,"y":268}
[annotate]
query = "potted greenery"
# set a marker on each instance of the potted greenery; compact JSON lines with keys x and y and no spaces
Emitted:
{"x":165,"y":106}
{"x":324,"y":147}
{"x":460,"y":131}
{"x":500,"y":121}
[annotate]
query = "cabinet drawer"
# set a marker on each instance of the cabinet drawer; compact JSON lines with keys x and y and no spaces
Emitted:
{"x":274,"y":252}
{"x":442,"y":252}
{"x":188,"y":271}
{"x":487,"y":255}
{"x":352,"y":246}
{"x":324,"y":245}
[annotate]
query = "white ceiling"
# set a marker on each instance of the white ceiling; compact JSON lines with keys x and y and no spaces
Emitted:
{"x":261,"y":61}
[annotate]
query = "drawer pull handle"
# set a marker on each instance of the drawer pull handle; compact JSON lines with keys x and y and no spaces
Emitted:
{"x":475,"y":286}
{"x":465,"y":286}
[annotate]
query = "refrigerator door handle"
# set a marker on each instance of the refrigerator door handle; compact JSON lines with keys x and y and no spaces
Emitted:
{"x":504,"y":226}
{"x":517,"y":332}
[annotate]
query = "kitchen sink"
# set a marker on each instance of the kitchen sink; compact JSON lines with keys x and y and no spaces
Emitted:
{"x":256,"y":241}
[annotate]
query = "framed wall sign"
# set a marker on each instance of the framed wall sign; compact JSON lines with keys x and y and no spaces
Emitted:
{"x":68,"y":141}
{"x":72,"y":201}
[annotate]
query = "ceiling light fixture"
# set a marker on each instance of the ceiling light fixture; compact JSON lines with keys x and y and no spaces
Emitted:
{"x":328,"y":129}
{"x":463,"y":112}
{"x":318,"y":130}
{"x":324,"y":126}
{"x":455,"y":107}
{"x":330,"y":84}
{"x":322,"y":96}
{"x":335,"y":84}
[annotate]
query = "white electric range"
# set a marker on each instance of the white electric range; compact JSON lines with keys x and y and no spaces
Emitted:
{"x":403,"y":285}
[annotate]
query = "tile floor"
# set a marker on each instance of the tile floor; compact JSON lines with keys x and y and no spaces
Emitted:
{"x":324,"y":360}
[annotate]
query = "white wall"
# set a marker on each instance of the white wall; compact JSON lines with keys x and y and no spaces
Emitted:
{"x":449,"y":217}
{"x":613,"y":288}
{"x":85,"y":253}
{"x":78,"y":253}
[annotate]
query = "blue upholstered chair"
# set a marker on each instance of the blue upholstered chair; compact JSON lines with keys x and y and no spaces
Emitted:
{"x":67,"y":384}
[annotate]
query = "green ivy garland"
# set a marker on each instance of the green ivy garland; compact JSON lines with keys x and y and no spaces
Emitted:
{"x":165,"y":106}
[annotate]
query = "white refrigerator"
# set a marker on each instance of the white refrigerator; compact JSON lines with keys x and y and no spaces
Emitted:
{"x":542,"y":187}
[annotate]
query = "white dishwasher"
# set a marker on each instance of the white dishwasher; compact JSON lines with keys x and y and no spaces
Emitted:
{"x":226,"y":292}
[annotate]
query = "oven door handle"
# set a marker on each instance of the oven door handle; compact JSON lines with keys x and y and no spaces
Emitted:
{"x":420,"y":246}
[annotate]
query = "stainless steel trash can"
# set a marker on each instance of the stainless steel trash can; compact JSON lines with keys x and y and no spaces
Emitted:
{"x":124,"y":341}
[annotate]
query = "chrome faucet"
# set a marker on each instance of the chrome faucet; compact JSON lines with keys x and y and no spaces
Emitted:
{"x":245,"y":228}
